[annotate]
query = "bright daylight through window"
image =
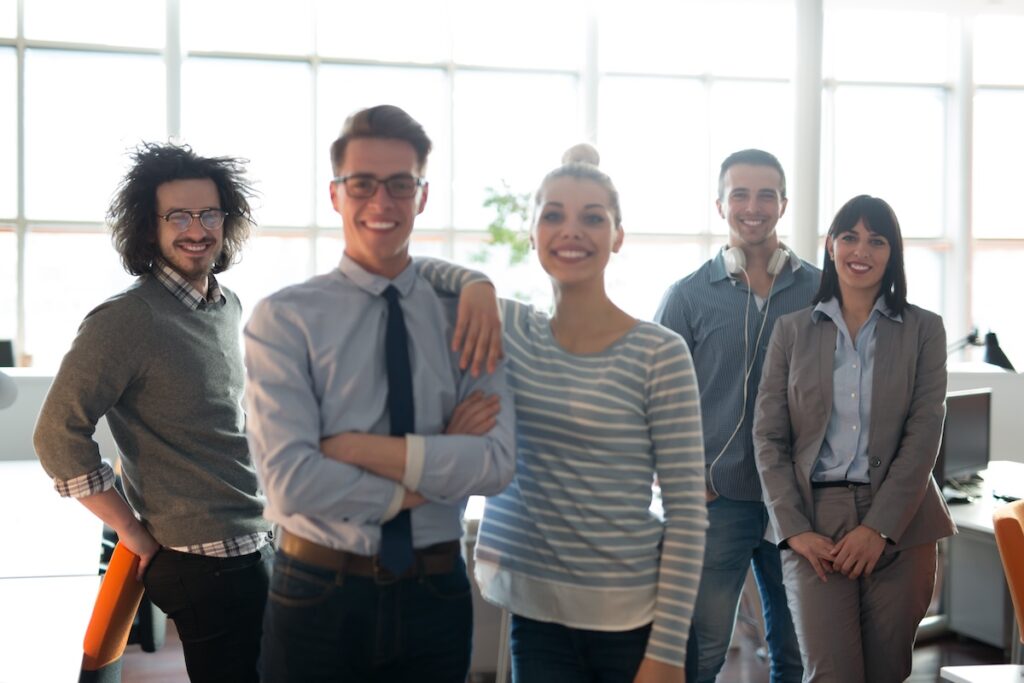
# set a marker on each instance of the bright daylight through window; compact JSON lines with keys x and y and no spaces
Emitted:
{"x":665,"y":90}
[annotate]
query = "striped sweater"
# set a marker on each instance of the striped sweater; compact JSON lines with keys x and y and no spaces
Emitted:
{"x":573,"y":540}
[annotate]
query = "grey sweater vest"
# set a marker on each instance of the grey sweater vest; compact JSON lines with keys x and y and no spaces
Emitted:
{"x":170,"y":381}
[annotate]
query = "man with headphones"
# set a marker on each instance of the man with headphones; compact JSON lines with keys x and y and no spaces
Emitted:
{"x":725,"y":310}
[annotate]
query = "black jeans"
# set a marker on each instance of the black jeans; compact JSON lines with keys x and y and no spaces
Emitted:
{"x":217,"y":605}
{"x":324,"y":626}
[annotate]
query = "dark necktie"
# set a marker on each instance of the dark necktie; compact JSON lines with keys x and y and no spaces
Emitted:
{"x":396,"y":534}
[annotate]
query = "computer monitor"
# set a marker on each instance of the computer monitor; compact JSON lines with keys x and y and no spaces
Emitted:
{"x":6,"y":353}
{"x":964,"y":449}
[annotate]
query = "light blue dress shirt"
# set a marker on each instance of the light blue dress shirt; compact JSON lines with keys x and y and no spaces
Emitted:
{"x":316,"y":367}
{"x":844,"y":452}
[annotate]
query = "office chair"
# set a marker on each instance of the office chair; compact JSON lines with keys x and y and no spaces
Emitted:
{"x":111,"y":621}
{"x":1008,"y":522}
{"x":149,"y":629}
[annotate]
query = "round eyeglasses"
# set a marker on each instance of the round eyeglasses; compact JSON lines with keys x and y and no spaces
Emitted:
{"x":181,"y":219}
{"x":364,"y":185}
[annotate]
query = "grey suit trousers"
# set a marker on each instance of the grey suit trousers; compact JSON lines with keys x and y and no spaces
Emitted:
{"x":861,"y":630}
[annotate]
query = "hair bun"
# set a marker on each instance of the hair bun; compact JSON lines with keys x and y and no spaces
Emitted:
{"x":584,"y":153}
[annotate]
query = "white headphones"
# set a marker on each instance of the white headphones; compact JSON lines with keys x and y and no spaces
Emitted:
{"x":736,"y":261}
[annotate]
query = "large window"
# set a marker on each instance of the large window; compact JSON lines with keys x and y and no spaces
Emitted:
{"x":76,"y":133}
{"x":8,"y":283}
{"x":998,"y":145}
{"x":665,"y":89}
{"x":8,"y":134}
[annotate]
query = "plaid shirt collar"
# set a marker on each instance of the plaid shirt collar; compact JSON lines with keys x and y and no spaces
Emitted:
{"x":185,"y":292}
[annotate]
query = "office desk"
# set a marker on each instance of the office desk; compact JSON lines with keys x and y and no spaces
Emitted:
{"x":42,"y":533}
{"x":42,"y":626}
{"x":49,"y":558}
{"x":979,"y":601}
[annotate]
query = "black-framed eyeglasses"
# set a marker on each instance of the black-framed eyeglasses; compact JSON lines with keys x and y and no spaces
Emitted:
{"x":364,"y":185}
{"x":181,"y":219}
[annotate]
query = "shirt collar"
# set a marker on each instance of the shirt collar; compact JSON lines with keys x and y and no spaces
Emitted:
{"x":832,"y":310}
{"x":183,"y":291}
{"x":376,"y":284}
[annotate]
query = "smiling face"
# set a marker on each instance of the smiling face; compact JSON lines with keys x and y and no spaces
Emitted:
{"x":193,"y":252}
{"x":574,"y":229}
{"x":752,"y":204}
{"x":377,"y":228}
{"x":860,"y":257}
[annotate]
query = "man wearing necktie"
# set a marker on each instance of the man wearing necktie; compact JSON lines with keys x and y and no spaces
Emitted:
{"x":368,"y":436}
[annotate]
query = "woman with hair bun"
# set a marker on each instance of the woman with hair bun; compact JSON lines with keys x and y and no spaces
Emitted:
{"x":600,"y":588}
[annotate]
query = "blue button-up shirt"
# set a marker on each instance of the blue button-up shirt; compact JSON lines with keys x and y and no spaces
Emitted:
{"x":316,"y":367}
{"x":708,"y":309}
{"x":844,"y":452}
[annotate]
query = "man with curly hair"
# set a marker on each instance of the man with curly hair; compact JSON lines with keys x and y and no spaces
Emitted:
{"x":162,"y":361}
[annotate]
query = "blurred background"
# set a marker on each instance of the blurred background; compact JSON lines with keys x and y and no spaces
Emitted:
{"x":920,"y":103}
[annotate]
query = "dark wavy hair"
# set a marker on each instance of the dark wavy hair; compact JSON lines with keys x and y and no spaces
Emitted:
{"x":383,"y":121}
{"x":751,"y":157}
{"x":879,"y":218}
{"x":132,"y":214}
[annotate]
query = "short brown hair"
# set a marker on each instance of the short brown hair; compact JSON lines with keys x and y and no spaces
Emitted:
{"x":382,"y":121}
{"x":751,"y":157}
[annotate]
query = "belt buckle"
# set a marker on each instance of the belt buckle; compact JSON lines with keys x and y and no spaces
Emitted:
{"x":382,"y":576}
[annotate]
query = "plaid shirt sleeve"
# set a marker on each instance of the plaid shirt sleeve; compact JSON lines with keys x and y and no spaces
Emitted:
{"x":97,"y":481}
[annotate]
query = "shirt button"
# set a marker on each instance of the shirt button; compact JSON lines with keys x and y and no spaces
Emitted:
{"x":853,"y":395}
{"x":854,"y":427}
{"x":854,"y":366}
{"x":876,"y":462}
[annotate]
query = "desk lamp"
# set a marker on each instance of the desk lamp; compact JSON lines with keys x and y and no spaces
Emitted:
{"x":993,"y":354}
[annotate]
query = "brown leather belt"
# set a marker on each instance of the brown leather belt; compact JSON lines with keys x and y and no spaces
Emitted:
{"x":436,"y":559}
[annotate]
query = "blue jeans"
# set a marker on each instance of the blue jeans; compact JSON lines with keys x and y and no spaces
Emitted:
{"x":735,"y":541}
{"x":217,"y":607}
{"x":321,"y":625}
{"x":543,"y":652}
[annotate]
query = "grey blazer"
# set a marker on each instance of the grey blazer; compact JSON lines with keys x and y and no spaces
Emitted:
{"x":793,"y":407}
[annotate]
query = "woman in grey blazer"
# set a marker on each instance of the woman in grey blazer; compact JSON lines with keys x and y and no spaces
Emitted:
{"x":847,"y":426}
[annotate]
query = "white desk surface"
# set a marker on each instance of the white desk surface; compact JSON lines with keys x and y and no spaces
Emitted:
{"x":44,"y":534}
{"x":1001,"y":476}
{"x":49,"y":578}
{"x":993,"y":673}
{"x":42,"y":626}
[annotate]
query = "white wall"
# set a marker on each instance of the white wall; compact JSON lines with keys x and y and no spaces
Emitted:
{"x":1007,"y":399}
{"x":19,"y":420}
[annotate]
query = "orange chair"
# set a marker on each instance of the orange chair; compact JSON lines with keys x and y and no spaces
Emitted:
{"x":111,"y":621}
{"x":1008,"y":523}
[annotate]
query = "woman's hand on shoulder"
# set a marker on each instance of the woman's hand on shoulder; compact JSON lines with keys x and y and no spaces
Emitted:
{"x":477,"y":335}
{"x":857,"y":553}
{"x":654,"y":671}
{"x":816,"y":549}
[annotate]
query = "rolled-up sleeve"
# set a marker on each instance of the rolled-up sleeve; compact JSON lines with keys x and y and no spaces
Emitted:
{"x":457,"y":466}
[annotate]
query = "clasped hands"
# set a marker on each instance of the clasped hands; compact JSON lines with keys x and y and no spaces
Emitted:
{"x":853,"y":556}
